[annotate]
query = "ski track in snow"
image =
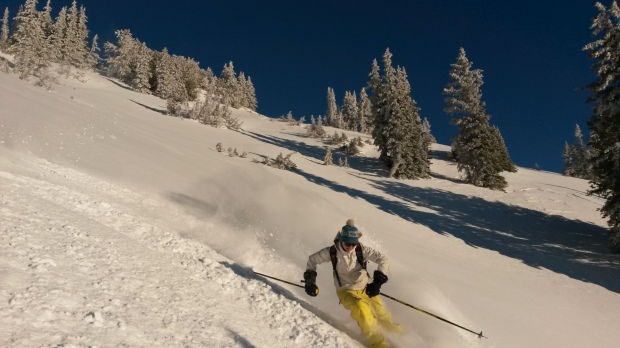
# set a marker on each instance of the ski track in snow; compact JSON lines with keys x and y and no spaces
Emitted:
{"x":81,"y":268}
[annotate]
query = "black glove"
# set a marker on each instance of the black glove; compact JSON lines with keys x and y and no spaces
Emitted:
{"x":310,"y":286}
{"x":373,"y":289}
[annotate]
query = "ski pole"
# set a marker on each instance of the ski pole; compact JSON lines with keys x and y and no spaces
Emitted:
{"x":278,"y":279}
{"x":480,"y":335}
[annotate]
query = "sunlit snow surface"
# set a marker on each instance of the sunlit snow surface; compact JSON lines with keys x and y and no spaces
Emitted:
{"x":121,"y":226}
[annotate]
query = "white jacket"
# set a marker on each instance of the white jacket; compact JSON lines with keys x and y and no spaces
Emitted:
{"x":352,"y":275}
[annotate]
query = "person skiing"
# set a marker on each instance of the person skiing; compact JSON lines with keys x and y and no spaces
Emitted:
{"x":353,"y":287}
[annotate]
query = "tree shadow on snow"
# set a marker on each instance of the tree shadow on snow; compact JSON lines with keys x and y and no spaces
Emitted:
{"x":364,"y":164}
{"x":161,"y":111}
{"x":240,"y":339}
{"x":119,"y":84}
{"x":571,"y":247}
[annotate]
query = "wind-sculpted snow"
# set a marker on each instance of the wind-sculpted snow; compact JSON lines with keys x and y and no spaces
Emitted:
{"x":82,"y":266}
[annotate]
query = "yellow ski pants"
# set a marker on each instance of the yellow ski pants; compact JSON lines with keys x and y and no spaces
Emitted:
{"x":368,"y":312}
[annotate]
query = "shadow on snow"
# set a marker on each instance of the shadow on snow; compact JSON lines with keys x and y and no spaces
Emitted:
{"x":571,"y":247}
{"x":575,"y":248}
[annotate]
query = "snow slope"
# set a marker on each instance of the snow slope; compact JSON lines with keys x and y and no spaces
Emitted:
{"x":123,"y":226}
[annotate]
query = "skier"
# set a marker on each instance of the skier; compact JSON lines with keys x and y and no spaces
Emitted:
{"x":351,"y":279}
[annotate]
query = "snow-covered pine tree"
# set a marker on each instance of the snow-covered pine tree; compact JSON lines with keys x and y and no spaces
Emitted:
{"x":567,"y":160}
{"x":352,"y":149}
{"x":364,"y":108}
{"x":250,"y":95}
{"x":165,"y":75}
{"x":350,"y":114}
{"x":605,"y":121}
{"x":426,"y":129}
{"x":413,"y":151}
{"x":71,"y":36}
{"x":177,"y":88}
{"x":329,"y":159}
{"x":581,"y":153}
{"x":154,"y":62}
{"x":502,"y":152}
{"x":76,"y":37}
{"x":46,"y":20}
{"x":473,"y":145}
{"x":331,"y":115}
{"x":378,"y":101}
{"x":208,"y":83}
{"x":121,"y":56}
{"x":93,"y":55}
{"x":315,"y":128}
{"x":82,"y":54}
{"x":246,"y":92}
{"x":142,"y":69}
{"x":29,"y":42}
{"x":242,"y":96}
{"x":58,"y":37}
{"x":398,"y":127}
{"x":228,"y":85}
{"x":577,"y":158}
{"x":130,"y":61}
{"x":4,"y":32}
{"x":191,"y":75}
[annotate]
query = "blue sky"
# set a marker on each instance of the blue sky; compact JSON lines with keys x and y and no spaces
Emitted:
{"x":531,"y":54}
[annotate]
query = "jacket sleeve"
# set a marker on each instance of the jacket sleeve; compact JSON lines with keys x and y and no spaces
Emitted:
{"x":319,"y":257}
{"x":380,"y":259}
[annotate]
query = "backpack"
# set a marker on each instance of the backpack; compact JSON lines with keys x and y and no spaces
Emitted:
{"x":358,"y":253}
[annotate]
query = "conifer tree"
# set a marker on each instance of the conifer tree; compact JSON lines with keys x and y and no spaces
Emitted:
{"x":46,"y":19}
{"x":209,"y":82}
{"x":426,"y":129}
{"x":75,"y":44}
{"x":178,"y":88}
{"x":81,"y":58}
{"x":567,"y":163}
{"x":605,"y":121}
{"x":328,"y":160}
{"x":350,"y":114}
{"x":121,"y":56}
{"x":228,"y":85}
{"x":165,"y":75}
{"x":577,"y":158}
{"x":378,"y":105}
{"x":190,"y":75}
{"x":331,"y":115}
{"x":475,"y":145}
{"x":58,"y":37}
{"x":397,"y":129}
{"x":242,"y":84}
{"x":501,"y":152}
{"x":130,"y":61}
{"x":246,"y":93}
{"x":4,"y":32}
{"x":94,"y":57}
{"x":29,"y":42}
{"x":142,"y":69}
{"x":250,"y":95}
{"x":315,"y":128}
{"x":364,"y":108}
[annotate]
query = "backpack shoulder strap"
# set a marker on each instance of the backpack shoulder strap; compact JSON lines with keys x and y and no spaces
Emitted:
{"x":332,"y":255}
{"x":360,"y":256}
